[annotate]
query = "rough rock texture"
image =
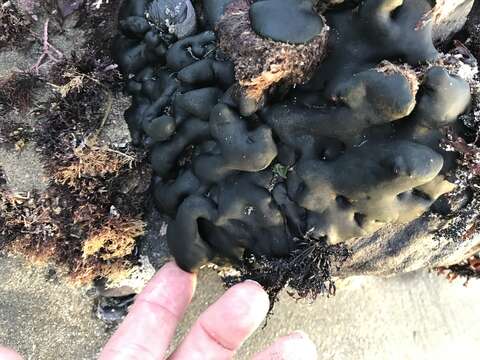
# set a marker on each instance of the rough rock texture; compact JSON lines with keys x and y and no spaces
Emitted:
{"x":273,"y":55}
{"x":450,"y":17}
{"x":352,"y":156}
{"x":405,"y":248}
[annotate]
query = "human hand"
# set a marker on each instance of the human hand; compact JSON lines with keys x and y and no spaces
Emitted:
{"x":150,"y":325}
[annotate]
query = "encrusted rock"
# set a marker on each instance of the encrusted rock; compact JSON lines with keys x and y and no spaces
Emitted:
{"x":263,"y":52}
{"x":260,"y":148}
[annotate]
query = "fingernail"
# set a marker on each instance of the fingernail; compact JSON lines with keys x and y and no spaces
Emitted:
{"x":301,"y":334}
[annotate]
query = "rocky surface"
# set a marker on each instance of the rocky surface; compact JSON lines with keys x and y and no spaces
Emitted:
{"x":451,"y":18}
{"x":44,"y":317}
{"x":248,"y":162}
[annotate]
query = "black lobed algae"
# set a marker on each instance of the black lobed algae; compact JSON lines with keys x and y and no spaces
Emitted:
{"x":357,"y":137}
{"x":272,"y":19}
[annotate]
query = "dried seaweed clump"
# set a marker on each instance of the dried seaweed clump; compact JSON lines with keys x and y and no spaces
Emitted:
{"x":90,"y":160}
{"x":16,"y":92}
{"x":14,"y":27}
{"x":306,"y":272}
{"x":89,"y":218}
{"x":16,"y":95}
{"x":116,"y":239}
{"x":87,"y":233}
{"x":27,"y":224}
{"x":15,"y":135}
{"x":468,"y":269}
{"x":83,"y":103}
{"x":100,"y":21}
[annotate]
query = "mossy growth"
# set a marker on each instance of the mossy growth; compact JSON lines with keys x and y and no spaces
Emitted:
{"x":14,"y":26}
{"x":275,"y":62}
{"x":16,"y":91}
{"x":89,"y":218}
{"x":116,"y":239}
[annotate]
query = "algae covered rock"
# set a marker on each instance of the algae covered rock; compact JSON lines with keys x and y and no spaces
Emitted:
{"x":317,"y":123}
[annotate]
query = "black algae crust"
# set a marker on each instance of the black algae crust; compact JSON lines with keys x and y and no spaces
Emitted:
{"x":271,"y":150}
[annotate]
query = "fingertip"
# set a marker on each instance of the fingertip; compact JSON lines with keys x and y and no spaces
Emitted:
{"x":225,"y":325}
{"x":9,"y":354}
{"x":302,"y":339}
{"x":247,"y":304}
{"x":173,"y":268}
{"x":300,"y":334}
{"x":296,"y":346}
{"x":253,"y":283}
{"x":170,"y":275}
{"x":172,"y":287}
{"x":156,"y":310}
{"x":238,"y":313}
{"x":252,"y":293}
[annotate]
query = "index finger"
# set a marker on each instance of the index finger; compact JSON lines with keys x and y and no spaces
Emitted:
{"x":9,"y":354}
{"x":150,"y":325}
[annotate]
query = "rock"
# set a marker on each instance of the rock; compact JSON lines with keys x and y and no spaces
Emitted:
{"x":359,"y":136}
{"x":173,"y":16}
{"x":404,"y":248}
{"x":449,"y":17}
{"x":68,"y":7}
